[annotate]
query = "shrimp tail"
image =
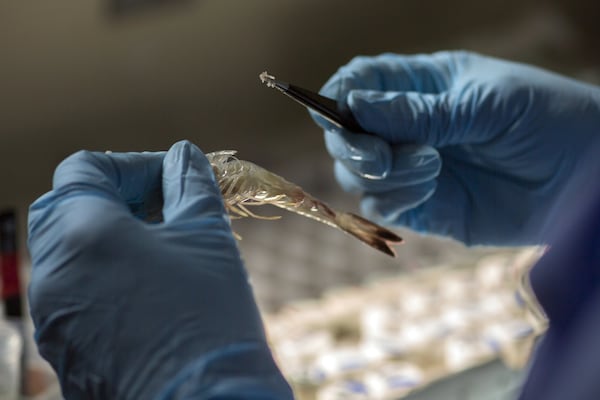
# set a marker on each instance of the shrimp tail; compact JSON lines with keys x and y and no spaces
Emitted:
{"x":372,"y":234}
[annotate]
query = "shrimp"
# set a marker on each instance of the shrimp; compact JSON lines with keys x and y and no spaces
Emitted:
{"x":244,"y":184}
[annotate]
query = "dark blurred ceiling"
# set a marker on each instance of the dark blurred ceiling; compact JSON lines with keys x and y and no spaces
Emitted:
{"x":75,"y":75}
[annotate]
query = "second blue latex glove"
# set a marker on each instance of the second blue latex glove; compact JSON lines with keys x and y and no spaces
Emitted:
{"x":465,"y":146}
{"x":124,"y":309}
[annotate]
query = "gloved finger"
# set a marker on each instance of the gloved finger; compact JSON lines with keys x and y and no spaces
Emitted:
{"x":448,"y":210}
{"x":424,"y":73}
{"x":91,"y":194}
{"x":131,"y":179}
{"x":453,"y":117}
{"x":388,"y":206}
{"x":411,"y":165}
{"x":324,"y":123}
{"x":366,"y":155}
{"x":189,"y":187}
{"x":461,"y":210}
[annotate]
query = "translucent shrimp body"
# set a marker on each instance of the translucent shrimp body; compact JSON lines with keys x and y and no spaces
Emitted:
{"x":246,"y":184}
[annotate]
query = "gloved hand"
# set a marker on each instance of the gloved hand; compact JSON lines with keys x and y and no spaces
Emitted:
{"x":124,"y":309}
{"x":464,"y":145}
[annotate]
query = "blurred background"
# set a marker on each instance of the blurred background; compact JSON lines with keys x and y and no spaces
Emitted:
{"x":135,"y":75}
{"x":143,"y":75}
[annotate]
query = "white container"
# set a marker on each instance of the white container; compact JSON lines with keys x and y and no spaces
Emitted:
{"x":11,"y":346}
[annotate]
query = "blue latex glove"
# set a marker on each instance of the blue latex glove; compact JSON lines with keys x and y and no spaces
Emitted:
{"x":124,"y":309}
{"x":465,"y":146}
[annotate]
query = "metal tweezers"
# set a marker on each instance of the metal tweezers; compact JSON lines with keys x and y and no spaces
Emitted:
{"x":324,"y":106}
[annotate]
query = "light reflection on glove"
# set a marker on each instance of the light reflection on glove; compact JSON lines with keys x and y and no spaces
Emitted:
{"x":464,"y":145}
{"x":124,"y":309}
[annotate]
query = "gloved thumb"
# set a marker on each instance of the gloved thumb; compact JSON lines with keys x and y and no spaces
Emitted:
{"x":189,"y":187}
{"x":417,"y":118}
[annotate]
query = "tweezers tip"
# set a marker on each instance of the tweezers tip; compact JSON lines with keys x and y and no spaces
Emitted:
{"x":267,"y":79}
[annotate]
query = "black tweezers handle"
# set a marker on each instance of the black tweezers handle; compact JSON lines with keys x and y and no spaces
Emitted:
{"x":326,"y":107}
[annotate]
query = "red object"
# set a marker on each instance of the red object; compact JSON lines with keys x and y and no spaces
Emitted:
{"x":9,"y":265}
{"x":10,"y":275}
